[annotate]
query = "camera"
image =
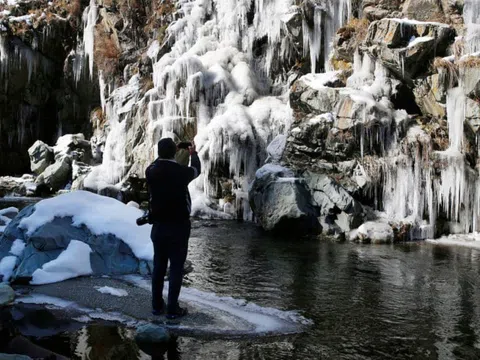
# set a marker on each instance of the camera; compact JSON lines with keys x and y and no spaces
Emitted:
{"x":184,"y":145}
{"x":145,"y":219}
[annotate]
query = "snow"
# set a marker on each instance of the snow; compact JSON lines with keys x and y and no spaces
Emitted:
{"x":419,"y":40}
{"x":112,"y":291}
{"x":101,"y":214}
{"x":274,"y":169}
{"x":376,"y":231}
{"x":320,"y":81}
{"x":17,"y":247}
{"x":74,"y":261}
{"x":471,"y":240}
{"x":24,"y":18}
{"x":8,"y":211}
{"x":7,"y":264}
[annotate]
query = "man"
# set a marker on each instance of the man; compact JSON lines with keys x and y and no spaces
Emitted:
{"x":170,"y":206}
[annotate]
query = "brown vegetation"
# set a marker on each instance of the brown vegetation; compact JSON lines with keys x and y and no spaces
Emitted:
{"x":106,"y":53}
{"x":447,"y":69}
{"x":355,"y":29}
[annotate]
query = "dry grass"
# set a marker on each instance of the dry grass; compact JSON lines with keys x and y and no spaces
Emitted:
{"x":75,"y":8}
{"x":147,"y":84}
{"x":106,"y":54}
{"x":469,"y":62}
{"x":356,"y":29}
{"x":448,"y":71}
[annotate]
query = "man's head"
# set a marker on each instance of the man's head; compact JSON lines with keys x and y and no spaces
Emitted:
{"x":166,"y":149}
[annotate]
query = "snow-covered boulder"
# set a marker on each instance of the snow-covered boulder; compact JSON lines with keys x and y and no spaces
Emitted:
{"x":74,"y":234}
{"x":281,"y":202}
{"x":374,"y":232}
{"x":21,"y":186}
{"x":41,"y":156}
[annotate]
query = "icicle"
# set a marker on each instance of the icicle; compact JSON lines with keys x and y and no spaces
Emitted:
{"x":90,"y":19}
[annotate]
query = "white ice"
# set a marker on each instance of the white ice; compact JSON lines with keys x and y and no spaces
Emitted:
{"x":112,"y":291}
{"x":17,"y":247}
{"x":74,"y":261}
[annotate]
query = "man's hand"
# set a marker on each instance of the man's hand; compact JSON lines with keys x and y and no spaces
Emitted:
{"x":192,"y":149}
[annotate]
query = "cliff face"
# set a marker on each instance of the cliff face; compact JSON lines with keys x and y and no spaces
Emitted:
{"x":372,"y":105}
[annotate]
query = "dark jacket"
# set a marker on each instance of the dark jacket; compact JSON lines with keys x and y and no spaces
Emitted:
{"x":168,"y":186}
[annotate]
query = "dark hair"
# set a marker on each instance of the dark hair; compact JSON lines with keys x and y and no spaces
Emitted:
{"x":167,"y":149}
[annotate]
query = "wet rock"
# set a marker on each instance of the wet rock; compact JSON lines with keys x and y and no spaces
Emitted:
{"x":7,"y":295}
{"x":150,"y":333}
{"x":41,"y":156}
{"x":281,"y":202}
{"x":79,"y":173}
{"x":276,"y":148}
{"x":57,"y":175}
{"x":406,"y":47}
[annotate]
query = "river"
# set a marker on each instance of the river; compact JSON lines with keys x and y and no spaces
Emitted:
{"x":406,"y":301}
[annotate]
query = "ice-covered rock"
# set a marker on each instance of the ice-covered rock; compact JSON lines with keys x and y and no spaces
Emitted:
{"x":41,"y":156}
{"x":20,"y":186}
{"x":281,"y":202}
{"x":57,"y":231}
{"x":430,"y":95}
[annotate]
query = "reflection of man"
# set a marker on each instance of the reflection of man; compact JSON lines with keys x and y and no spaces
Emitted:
{"x":170,"y":206}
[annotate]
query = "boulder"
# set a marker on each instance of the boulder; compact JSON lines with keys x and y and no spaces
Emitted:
{"x":41,"y":156}
{"x":314,"y":94}
{"x":150,"y":333}
{"x":281,"y":202}
{"x":424,"y":10}
{"x":406,"y":47}
{"x":110,"y":255}
{"x":7,"y":295}
{"x":276,"y":148}
{"x":374,"y":232}
{"x":79,"y":173}
{"x":57,"y":175}
{"x":471,"y":78}
{"x":74,"y":146}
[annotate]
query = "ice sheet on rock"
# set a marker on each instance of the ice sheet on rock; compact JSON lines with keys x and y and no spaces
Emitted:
{"x":112,"y":291}
{"x":7,"y":265}
{"x":415,"y":41}
{"x":263,"y":319}
{"x":72,"y":262}
{"x":274,"y":169}
{"x":101,"y":214}
{"x":471,"y":240}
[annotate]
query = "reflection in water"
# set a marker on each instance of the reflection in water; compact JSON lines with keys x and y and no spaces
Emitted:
{"x":411,"y":301}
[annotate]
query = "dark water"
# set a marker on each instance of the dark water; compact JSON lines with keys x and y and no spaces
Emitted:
{"x":413,"y":301}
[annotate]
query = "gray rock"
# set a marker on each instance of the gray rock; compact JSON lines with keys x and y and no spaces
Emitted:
{"x":471,"y":80}
{"x":57,"y":175}
{"x":472,"y":114}
{"x":397,"y":46}
{"x":41,"y":156}
{"x":150,"y":333}
{"x":19,"y":186}
{"x":430,"y":96}
{"x":424,"y":10}
{"x":281,"y":203}
{"x":79,"y":173}
{"x":7,"y":295}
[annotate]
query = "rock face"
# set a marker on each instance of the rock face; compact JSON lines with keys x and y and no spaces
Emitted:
{"x":282,"y":203}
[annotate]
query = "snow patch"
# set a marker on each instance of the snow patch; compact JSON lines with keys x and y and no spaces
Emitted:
{"x":72,"y":262}
{"x":17,"y":247}
{"x":7,"y":264}
{"x":112,"y":291}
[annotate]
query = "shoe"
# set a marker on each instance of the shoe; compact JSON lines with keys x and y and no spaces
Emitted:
{"x":159,"y":311}
{"x":177,"y":313}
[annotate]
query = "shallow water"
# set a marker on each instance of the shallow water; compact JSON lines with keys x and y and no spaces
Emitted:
{"x":412,"y":301}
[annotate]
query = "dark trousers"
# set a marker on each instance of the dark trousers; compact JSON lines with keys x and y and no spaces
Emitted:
{"x":170,"y":243}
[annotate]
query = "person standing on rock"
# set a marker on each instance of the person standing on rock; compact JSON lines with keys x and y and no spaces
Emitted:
{"x":170,"y":207}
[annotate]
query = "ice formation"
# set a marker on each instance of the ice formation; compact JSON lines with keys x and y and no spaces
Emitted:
{"x":211,"y":84}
